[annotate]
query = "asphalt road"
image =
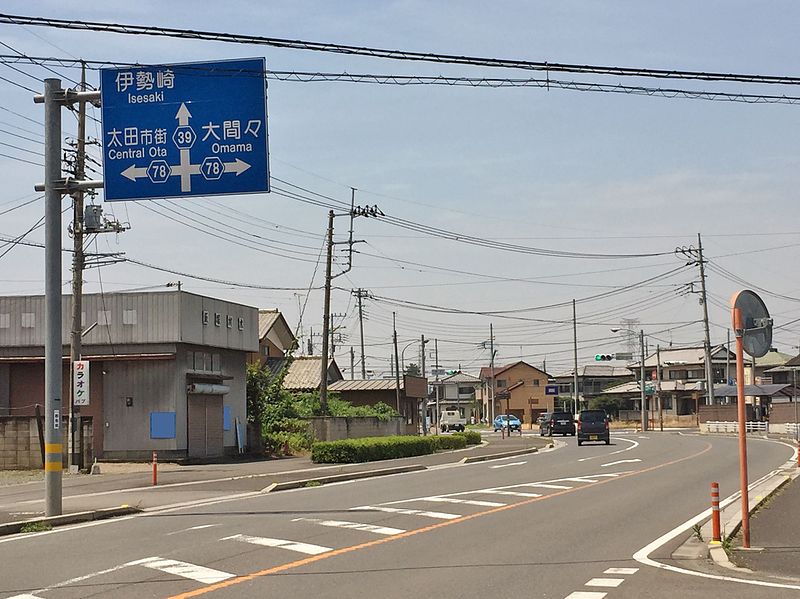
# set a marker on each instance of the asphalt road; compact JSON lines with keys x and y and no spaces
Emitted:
{"x":560,"y":523}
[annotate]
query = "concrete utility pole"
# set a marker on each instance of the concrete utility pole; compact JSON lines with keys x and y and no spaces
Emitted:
{"x":641,"y":373}
{"x":728,"y":363}
{"x":361,"y":294}
{"x":492,"y":389}
{"x":436,"y":357}
{"x":396,"y":361}
{"x":52,"y":267}
{"x":658,"y":389}
{"x":352,"y":363}
{"x":326,"y":316}
{"x":575,"y":359}
{"x":422,"y":343}
{"x":77,"y":277}
{"x":707,"y":337}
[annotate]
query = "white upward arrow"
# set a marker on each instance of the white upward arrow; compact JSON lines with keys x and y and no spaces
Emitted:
{"x":183,"y":115}
{"x":134,"y":172}
{"x":238,"y":167}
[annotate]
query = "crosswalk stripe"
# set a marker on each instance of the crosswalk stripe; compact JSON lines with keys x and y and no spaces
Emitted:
{"x":512,"y":493}
{"x":605,"y":582}
{"x":586,"y":595}
{"x":399,"y":510}
{"x":621,"y":571}
{"x":579,"y":479}
{"x":306,"y":548}
{"x":25,"y":596}
{"x":477,"y":502}
{"x":183,"y":569}
{"x":381,"y":530}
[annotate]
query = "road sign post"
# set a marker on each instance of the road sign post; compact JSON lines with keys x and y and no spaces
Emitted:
{"x":185,"y":130}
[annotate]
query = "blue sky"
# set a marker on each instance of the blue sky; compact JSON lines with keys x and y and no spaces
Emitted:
{"x":586,"y":172}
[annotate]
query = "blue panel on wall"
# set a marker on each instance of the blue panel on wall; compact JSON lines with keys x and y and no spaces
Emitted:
{"x":226,"y":418}
{"x":162,"y":425}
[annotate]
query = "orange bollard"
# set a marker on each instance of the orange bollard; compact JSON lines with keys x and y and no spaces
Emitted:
{"x":716,"y":535}
{"x":155,"y":468}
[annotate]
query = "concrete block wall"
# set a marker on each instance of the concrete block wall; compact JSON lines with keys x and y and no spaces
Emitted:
{"x":19,"y":443}
{"x":333,"y":428}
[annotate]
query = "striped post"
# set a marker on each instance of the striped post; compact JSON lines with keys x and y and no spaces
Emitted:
{"x":155,"y":468}
{"x":716,"y":535}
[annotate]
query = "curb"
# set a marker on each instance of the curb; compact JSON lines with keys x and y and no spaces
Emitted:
{"x":497,"y":456}
{"x":11,"y":528}
{"x":334,"y":478}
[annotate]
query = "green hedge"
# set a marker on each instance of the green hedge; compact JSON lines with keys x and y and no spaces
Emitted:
{"x":456,"y":441}
{"x":472,"y":437}
{"x":370,"y":449}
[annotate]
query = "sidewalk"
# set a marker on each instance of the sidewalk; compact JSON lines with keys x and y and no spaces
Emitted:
{"x":131,"y":484}
{"x":775,"y":528}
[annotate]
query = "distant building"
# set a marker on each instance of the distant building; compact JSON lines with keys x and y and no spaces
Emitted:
{"x":167,"y":370}
{"x":305,"y":373}
{"x":275,"y":338}
{"x":519,"y":389}
{"x":459,"y":391}
{"x":593,"y":379}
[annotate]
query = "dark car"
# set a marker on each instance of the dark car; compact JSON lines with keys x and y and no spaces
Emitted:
{"x":593,"y":426}
{"x":559,"y":423}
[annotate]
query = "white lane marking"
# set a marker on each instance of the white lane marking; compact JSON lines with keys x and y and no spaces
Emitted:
{"x":642,"y":437}
{"x":399,"y":510}
{"x":306,"y":548}
{"x":621,"y":571}
{"x":605,"y":455}
{"x":200,"y":527}
{"x":183,"y":569}
{"x":620,"y":462}
{"x":512,"y":493}
{"x":643,"y":555}
{"x":546,"y":486}
{"x":380,"y":530}
{"x":477,"y":502}
{"x":586,"y":595}
{"x":507,"y":465}
{"x":579,"y":479}
{"x":25,"y":596}
{"x":605,"y":582}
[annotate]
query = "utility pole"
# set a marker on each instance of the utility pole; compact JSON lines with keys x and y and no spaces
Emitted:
{"x":326,"y":316}
{"x":658,"y":389}
{"x":396,"y":362}
{"x":707,"y":337}
{"x":728,"y":363}
{"x":436,"y":357}
{"x":575,"y":359}
{"x":77,"y":277}
{"x":492,"y":389}
{"x":352,"y":363}
{"x":641,"y":374}
{"x":361,"y":294}
{"x":422,"y":343}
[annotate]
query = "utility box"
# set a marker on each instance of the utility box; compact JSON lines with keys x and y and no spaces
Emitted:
{"x":92,"y":218}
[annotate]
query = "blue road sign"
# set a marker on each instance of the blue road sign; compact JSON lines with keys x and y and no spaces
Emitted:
{"x":551,"y":390}
{"x":181,"y":130}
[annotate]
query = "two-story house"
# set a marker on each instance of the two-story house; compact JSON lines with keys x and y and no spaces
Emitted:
{"x":519,"y":389}
{"x":458,"y":391}
{"x":593,"y":379}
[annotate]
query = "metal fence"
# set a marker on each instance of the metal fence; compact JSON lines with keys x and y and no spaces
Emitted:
{"x":715,"y":426}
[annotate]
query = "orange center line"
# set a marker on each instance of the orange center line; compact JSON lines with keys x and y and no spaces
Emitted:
{"x":410,"y":533}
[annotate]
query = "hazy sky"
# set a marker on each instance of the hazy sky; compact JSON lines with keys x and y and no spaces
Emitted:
{"x":557,"y":169}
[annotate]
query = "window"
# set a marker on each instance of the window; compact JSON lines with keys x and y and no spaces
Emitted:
{"x":129,"y":317}
{"x":229,"y":321}
{"x":103,"y":318}
{"x":666,"y":402}
{"x":217,"y":319}
{"x":28,"y":320}
{"x":536,"y":382}
{"x":5,"y":321}
{"x":215,"y":362}
{"x":205,"y":317}
{"x":501,"y":383}
{"x":240,"y":323}
{"x":466,"y":390}
{"x":675,"y":375}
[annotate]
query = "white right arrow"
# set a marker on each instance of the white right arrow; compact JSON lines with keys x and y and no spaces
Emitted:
{"x":134,"y":172}
{"x":238,"y":167}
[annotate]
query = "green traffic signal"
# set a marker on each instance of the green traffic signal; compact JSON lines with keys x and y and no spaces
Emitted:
{"x":603,"y":357}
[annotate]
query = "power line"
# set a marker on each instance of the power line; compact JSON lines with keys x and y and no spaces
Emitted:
{"x":404,"y":55}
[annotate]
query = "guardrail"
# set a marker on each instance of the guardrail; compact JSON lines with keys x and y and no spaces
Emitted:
{"x":733,"y":427}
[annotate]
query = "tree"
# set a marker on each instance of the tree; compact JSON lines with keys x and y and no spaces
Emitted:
{"x":412,"y":370}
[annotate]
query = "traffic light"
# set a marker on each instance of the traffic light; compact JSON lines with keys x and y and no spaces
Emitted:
{"x":603,"y":357}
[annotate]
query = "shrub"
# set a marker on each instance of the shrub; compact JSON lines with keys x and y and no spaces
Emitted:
{"x":370,"y":449}
{"x":456,"y":441}
{"x":472,"y":437}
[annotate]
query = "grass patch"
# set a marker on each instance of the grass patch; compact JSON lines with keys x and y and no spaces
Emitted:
{"x":36,"y":527}
{"x":313,"y":483}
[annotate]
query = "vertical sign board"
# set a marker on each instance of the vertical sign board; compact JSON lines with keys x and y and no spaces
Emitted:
{"x":80,"y":382}
{"x":182,"y":130}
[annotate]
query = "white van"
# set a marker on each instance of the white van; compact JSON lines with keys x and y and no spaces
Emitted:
{"x":452,"y":420}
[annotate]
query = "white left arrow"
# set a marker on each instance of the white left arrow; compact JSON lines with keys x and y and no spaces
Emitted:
{"x":134,"y":172}
{"x":238,"y":167}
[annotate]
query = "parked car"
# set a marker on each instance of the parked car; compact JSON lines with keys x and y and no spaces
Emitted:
{"x":593,"y":426}
{"x":557,"y":423}
{"x":503,"y":421}
{"x":452,"y":420}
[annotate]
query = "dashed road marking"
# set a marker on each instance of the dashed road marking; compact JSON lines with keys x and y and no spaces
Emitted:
{"x":621,"y":571}
{"x":605,"y":582}
{"x":546,"y":486}
{"x":380,"y":530}
{"x":586,"y":595}
{"x":306,"y":548}
{"x":620,"y":462}
{"x":398,"y":510}
{"x":183,"y":569}
{"x":512,"y":493}
{"x":200,"y":527}
{"x":579,"y":479}
{"x":25,"y":596}
{"x":507,"y":465}
{"x":477,"y":502}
